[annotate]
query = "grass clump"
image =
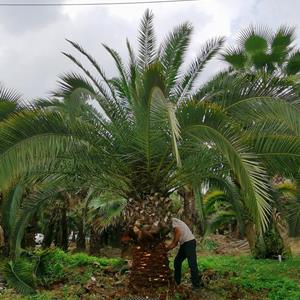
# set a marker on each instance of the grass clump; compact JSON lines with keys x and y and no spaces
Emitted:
{"x":279,"y":280}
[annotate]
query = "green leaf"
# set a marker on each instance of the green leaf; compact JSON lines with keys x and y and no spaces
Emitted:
{"x":19,"y":275}
{"x":293,"y":65}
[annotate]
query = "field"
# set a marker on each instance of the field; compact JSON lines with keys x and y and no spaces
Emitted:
{"x":79,"y":276}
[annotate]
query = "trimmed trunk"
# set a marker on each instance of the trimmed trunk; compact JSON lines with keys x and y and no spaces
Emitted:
{"x":150,"y":266}
{"x":149,"y":220}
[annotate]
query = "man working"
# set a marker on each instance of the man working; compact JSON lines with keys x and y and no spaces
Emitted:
{"x":184,"y":236}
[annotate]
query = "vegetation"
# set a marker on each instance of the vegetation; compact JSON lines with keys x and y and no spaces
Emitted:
{"x":227,"y":277}
{"x":112,"y":159}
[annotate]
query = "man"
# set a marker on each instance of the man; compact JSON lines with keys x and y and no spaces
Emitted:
{"x":186,"y":239}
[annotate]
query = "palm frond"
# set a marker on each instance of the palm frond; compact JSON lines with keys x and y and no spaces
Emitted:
{"x":186,"y":84}
{"x":172,"y":52}
{"x":146,"y":41}
{"x":293,"y":65}
{"x":94,"y":64}
{"x":282,"y":43}
{"x":19,"y":275}
{"x":201,"y":125}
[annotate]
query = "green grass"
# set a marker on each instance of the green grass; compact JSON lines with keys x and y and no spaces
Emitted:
{"x":281,"y":280}
{"x":254,"y":279}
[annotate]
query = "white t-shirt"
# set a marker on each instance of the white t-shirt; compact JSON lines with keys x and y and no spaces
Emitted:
{"x":186,"y":234}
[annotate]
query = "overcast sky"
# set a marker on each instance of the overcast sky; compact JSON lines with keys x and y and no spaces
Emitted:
{"x":32,"y":38}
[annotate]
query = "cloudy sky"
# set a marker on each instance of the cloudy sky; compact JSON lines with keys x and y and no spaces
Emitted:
{"x":32,"y":38}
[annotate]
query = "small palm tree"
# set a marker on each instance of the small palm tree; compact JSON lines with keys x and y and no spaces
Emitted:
{"x":261,"y":49}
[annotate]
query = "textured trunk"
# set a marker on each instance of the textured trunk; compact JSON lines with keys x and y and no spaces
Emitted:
{"x":273,"y":242}
{"x":29,"y":239}
{"x":1,"y":237}
{"x":2,"y":241}
{"x":49,"y":233}
{"x":283,"y":231}
{"x":250,"y":233}
{"x":149,"y":220}
{"x":64,"y":230}
{"x":80,"y":242}
{"x":96,"y":242}
{"x":29,"y":235}
{"x":150,"y":266}
{"x":6,"y":248}
{"x":61,"y":232}
{"x":189,"y":206}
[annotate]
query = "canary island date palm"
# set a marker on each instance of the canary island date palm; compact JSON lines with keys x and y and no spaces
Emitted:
{"x":145,"y":141}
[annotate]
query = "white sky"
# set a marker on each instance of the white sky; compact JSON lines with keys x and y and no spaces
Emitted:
{"x":32,"y":38}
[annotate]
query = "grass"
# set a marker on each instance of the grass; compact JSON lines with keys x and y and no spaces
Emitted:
{"x":277,"y":280}
{"x":230,"y":277}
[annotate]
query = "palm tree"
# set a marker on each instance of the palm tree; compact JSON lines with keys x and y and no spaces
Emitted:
{"x":150,"y":138}
{"x":260,"y":49}
{"x":10,"y":104}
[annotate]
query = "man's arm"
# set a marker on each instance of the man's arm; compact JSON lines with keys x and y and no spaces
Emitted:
{"x":176,"y":239}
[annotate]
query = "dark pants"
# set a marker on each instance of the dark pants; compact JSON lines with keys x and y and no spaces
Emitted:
{"x":187,"y":250}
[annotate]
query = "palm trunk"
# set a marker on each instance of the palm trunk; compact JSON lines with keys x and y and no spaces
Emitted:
{"x":273,"y":242}
{"x":2,"y":241}
{"x":250,"y":233}
{"x":150,"y":266}
{"x":80,"y":242}
{"x":189,"y":206}
{"x":150,"y":221}
{"x":283,"y":231}
{"x":96,"y":242}
{"x":64,"y":230}
{"x":49,"y":233}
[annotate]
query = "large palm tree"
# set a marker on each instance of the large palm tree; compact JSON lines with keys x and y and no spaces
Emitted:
{"x":153,"y":135}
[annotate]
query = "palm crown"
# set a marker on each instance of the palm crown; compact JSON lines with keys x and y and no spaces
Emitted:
{"x":261,"y":49}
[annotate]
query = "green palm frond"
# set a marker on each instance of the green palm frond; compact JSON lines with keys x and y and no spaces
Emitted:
{"x":186,"y":84}
{"x":235,"y":57}
{"x":172,"y":52}
{"x":293,"y":65}
{"x":19,"y":275}
{"x":94,"y":64}
{"x":254,"y":39}
{"x":221,"y":218}
{"x":10,"y":102}
{"x":146,"y":41}
{"x":261,"y":49}
{"x":97,"y":83}
{"x":282,"y":43}
{"x":105,"y":210}
{"x":204,"y":124}
{"x":69,"y":82}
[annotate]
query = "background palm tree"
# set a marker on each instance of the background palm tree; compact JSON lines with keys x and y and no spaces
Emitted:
{"x":260,"y":49}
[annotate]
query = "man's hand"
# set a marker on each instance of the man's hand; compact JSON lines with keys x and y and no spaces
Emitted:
{"x":176,"y":239}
